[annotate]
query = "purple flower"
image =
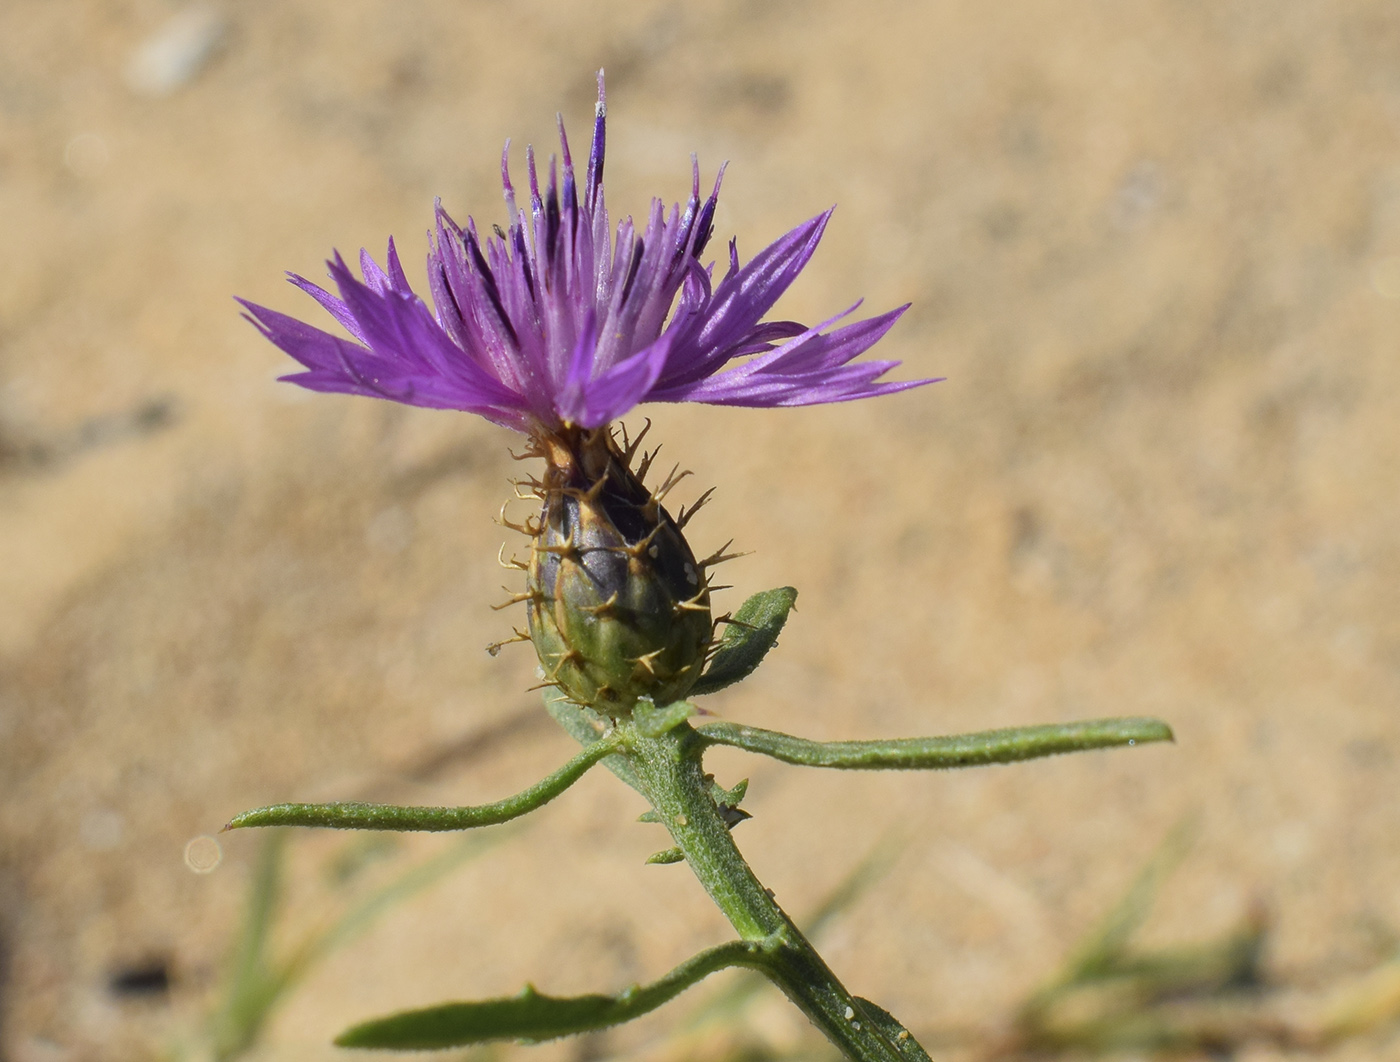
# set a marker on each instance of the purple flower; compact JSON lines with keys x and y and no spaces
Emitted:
{"x":560,"y":322}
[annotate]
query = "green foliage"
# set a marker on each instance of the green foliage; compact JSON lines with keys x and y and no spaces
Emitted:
{"x":940,"y":753}
{"x":1112,"y":996}
{"x":752,"y":631}
{"x":534,"y":1016}
{"x":655,"y":750}
{"x":257,"y":981}
{"x":353,"y":815}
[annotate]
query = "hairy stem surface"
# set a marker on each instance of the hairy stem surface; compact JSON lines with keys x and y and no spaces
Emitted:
{"x":669,"y":770}
{"x":940,"y":753}
{"x":349,"y":815}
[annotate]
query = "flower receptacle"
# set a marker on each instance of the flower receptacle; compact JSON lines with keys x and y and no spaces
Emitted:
{"x":619,"y":608}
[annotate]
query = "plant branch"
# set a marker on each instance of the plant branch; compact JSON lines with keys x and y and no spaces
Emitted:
{"x":939,"y":753}
{"x":669,"y":769}
{"x":358,"y":816}
{"x":533,"y":1016}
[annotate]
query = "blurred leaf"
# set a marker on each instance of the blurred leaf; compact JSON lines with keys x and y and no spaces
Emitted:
{"x":1103,"y":948}
{"x":358,"y":856}
{"x":1369,"y":1005}
{"x":250,"y":988}
{"x":754,"y":631}
{"x":256,"y":984}
{"x":358,"y":919}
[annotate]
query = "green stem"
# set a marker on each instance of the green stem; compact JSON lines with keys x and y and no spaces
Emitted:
{"x":939,"y":753}
{"x":357,"y":816}
{"x":672,"y":777}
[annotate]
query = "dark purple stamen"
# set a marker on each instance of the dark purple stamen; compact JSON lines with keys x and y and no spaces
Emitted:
{"x":570,"y":192}
{"x":447,"y":287}
{"x":632,"y":269}
{"x":523,"y":257}
{"x":595,"y":154}
{"x":488,"y":282}
{"x":551,"y":218}
{"x":705,"y":227}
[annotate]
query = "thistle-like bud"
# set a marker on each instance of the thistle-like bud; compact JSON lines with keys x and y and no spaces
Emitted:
{"x":619,"y":608}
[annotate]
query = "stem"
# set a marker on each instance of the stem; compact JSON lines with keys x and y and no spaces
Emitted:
{"x":673,"y":779}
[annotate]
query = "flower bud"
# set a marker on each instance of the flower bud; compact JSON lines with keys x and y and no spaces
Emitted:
{"x":618,"y":607}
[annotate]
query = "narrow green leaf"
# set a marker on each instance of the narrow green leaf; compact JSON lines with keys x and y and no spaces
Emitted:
{"x":261,"y":984}
{"x":358,"y":816}
{"x":670,"y":855}
{"x":730,"y":798}
{"x":940,"y":753}
{"x":586,"y":727}
{"x":534,"y":1016}
{"x":359,"y":918}
{"x":1106,"y":944}
{"x":747,"y":640}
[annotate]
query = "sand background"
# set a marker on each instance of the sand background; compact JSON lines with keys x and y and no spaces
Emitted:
{"x":1151,"y":245}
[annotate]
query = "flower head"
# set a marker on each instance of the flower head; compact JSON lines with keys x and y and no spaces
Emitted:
{"x":560,"y":321}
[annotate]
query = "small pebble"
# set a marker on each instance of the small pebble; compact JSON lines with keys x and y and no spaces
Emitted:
{"x":171,"y":56}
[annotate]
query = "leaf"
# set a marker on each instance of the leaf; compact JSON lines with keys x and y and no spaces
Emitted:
{"x":351,"y":815}
{"x":359,"y":918}
{"x":258,"y":984}
{"x":1104,"y":947}
{"x":250,"y":988}
{"x":652,"y":721}
{"x":940,"y":753}
{"x":730,"y":798}
{"x":747,"y":639}
{"x":534,"y":1016}
{"x":670,"y":855}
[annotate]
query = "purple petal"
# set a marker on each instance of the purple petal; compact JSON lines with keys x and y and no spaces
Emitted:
{"x":741,"y":299}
